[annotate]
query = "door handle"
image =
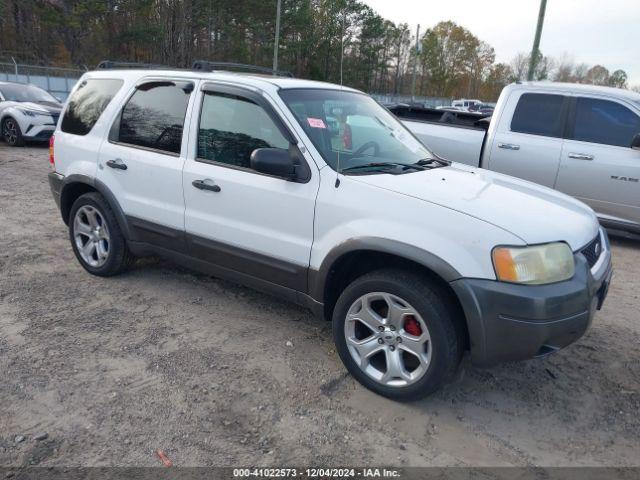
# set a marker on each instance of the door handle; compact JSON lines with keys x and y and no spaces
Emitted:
{"x":580,"y":156}
{"x":202,"y":185}
{"x":509,"y":146}
{"x":117,"y":164}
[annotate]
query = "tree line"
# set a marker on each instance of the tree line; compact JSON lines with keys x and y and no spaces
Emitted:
{"x":331,"y":40}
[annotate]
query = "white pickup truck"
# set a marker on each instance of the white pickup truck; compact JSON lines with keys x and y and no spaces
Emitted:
{"x":580,"y":139}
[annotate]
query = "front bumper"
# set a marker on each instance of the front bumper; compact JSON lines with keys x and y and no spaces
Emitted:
{"x":35,"y":133}
{"x":515,"y":322}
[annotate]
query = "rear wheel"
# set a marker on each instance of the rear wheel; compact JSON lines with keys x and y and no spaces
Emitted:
{"x":397,"y":334}
{"x":95,"y":236}
{"x":11,"y":132}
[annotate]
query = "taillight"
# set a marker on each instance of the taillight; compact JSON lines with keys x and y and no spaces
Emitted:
{"x":52,"y":160}
{"x":347,"y":139}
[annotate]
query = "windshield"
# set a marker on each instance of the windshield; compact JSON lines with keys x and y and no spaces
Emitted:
{"x":26,"y":93}
{"x":353,"y":128}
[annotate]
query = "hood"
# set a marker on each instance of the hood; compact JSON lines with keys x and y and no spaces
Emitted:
{"x":532,"y":212}
{"x":51,"y":108}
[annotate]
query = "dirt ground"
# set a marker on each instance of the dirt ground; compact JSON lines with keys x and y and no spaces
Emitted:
{"x":162,"y":358}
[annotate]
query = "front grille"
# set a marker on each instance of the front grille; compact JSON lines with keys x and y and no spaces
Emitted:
{"x":592,"y":251}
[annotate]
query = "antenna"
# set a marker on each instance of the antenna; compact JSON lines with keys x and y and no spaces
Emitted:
{"x":344,"y":18}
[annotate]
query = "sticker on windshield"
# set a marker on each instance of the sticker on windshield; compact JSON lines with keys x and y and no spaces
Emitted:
{"x":316,"y":122}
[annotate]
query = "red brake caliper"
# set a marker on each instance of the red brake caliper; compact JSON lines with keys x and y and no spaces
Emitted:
{"x":411,"y":326}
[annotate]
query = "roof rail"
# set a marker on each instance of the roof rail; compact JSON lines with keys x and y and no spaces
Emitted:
{"x":114,"y":65}
{"x":207,"y":66}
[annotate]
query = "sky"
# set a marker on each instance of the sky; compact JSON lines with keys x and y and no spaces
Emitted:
{"x":605,"y":32}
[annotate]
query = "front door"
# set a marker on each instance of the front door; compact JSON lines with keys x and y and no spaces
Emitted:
{"x":241,"y":220}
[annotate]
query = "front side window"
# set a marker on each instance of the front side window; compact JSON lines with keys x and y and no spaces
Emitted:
{"x":232,"y":127}
{"x":352,"y":129}
{"x":539,"y":114}
{"x":154,"y":116}
{"x":87,"y":103}
{"x":605,"y":122}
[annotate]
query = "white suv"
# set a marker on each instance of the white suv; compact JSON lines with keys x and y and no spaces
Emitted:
{"x":27,"y":112}
{"x":283,"y":185}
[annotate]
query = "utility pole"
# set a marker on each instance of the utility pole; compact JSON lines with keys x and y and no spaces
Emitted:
{"x":535,"y":51}
{"x":277,"y":42}
{"x":344,"y":21}
{"x":415,"y":65}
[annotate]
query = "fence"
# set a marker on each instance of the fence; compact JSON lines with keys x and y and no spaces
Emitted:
{"x":55,"y":80}
{"x":430,"y":102}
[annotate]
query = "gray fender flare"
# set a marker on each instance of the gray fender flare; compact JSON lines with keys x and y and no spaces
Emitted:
{"x":318,"y":279}
{"x":105,"y":192}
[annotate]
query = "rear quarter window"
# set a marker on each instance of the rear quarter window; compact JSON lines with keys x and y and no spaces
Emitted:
{"x":87,"y":104}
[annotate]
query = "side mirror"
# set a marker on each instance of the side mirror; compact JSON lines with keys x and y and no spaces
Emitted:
{"x":635,"y":143}
{"x":277,"y":162}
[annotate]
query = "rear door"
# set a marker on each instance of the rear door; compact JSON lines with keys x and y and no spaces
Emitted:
{"x":530,"y":144}
{"x":142,"y":161}
{"x":598,"y":164}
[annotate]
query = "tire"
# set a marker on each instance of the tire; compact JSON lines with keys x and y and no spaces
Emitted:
{"x":106,"y":252}
{"x":11,"y":132}
{"x":425,"y":365}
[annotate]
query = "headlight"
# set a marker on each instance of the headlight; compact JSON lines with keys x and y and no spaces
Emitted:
{"x":32,"y":113}
{"x":534,"y":265}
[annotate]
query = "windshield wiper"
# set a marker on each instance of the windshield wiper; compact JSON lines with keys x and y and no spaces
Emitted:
{"x":385,"y":165}
{"x":430,"y":161}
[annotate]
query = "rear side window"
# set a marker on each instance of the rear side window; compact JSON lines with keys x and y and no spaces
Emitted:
{"x":87,"y":104}
{"x":539,"y":114}
{"x":154,"y":116}
{"x":602,"y":121}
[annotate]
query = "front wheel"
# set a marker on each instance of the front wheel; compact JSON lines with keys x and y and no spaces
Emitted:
{"x":11,"y":132}
{"x":397,"y":334}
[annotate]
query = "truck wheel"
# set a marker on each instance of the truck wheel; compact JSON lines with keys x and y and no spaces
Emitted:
{"x":11,"y":132}
{"x":397,"y":334}
{"x":96,"y":238}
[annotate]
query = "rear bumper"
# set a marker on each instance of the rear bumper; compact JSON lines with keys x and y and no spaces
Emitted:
{"x":55,"y":182}
{"x":514,"y":322}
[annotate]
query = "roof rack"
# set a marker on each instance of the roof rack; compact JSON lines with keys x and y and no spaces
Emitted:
{"x":114,"y":65}
{"x":207,"y":66}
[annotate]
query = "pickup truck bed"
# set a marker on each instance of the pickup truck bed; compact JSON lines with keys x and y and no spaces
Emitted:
{"x":456,"y":136}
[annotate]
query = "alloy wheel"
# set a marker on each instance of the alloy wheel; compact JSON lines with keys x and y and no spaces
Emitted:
{"x":388,"y":339}
{"x":10,"y":131}
{"x":91,"y":235}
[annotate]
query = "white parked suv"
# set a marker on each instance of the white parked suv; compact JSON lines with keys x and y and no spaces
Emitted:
{"x":27,"y":112}
{"x":413,"y":259}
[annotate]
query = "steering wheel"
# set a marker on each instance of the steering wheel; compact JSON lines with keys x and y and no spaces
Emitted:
{"x":364,"y":147}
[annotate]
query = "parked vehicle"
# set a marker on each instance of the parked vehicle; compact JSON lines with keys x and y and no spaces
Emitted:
{"x":579,"y":139}
{"x":412,"y":258}
{"x":27,"y":112}
{"x":465,"y":103}
{"x":483,"y":108}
